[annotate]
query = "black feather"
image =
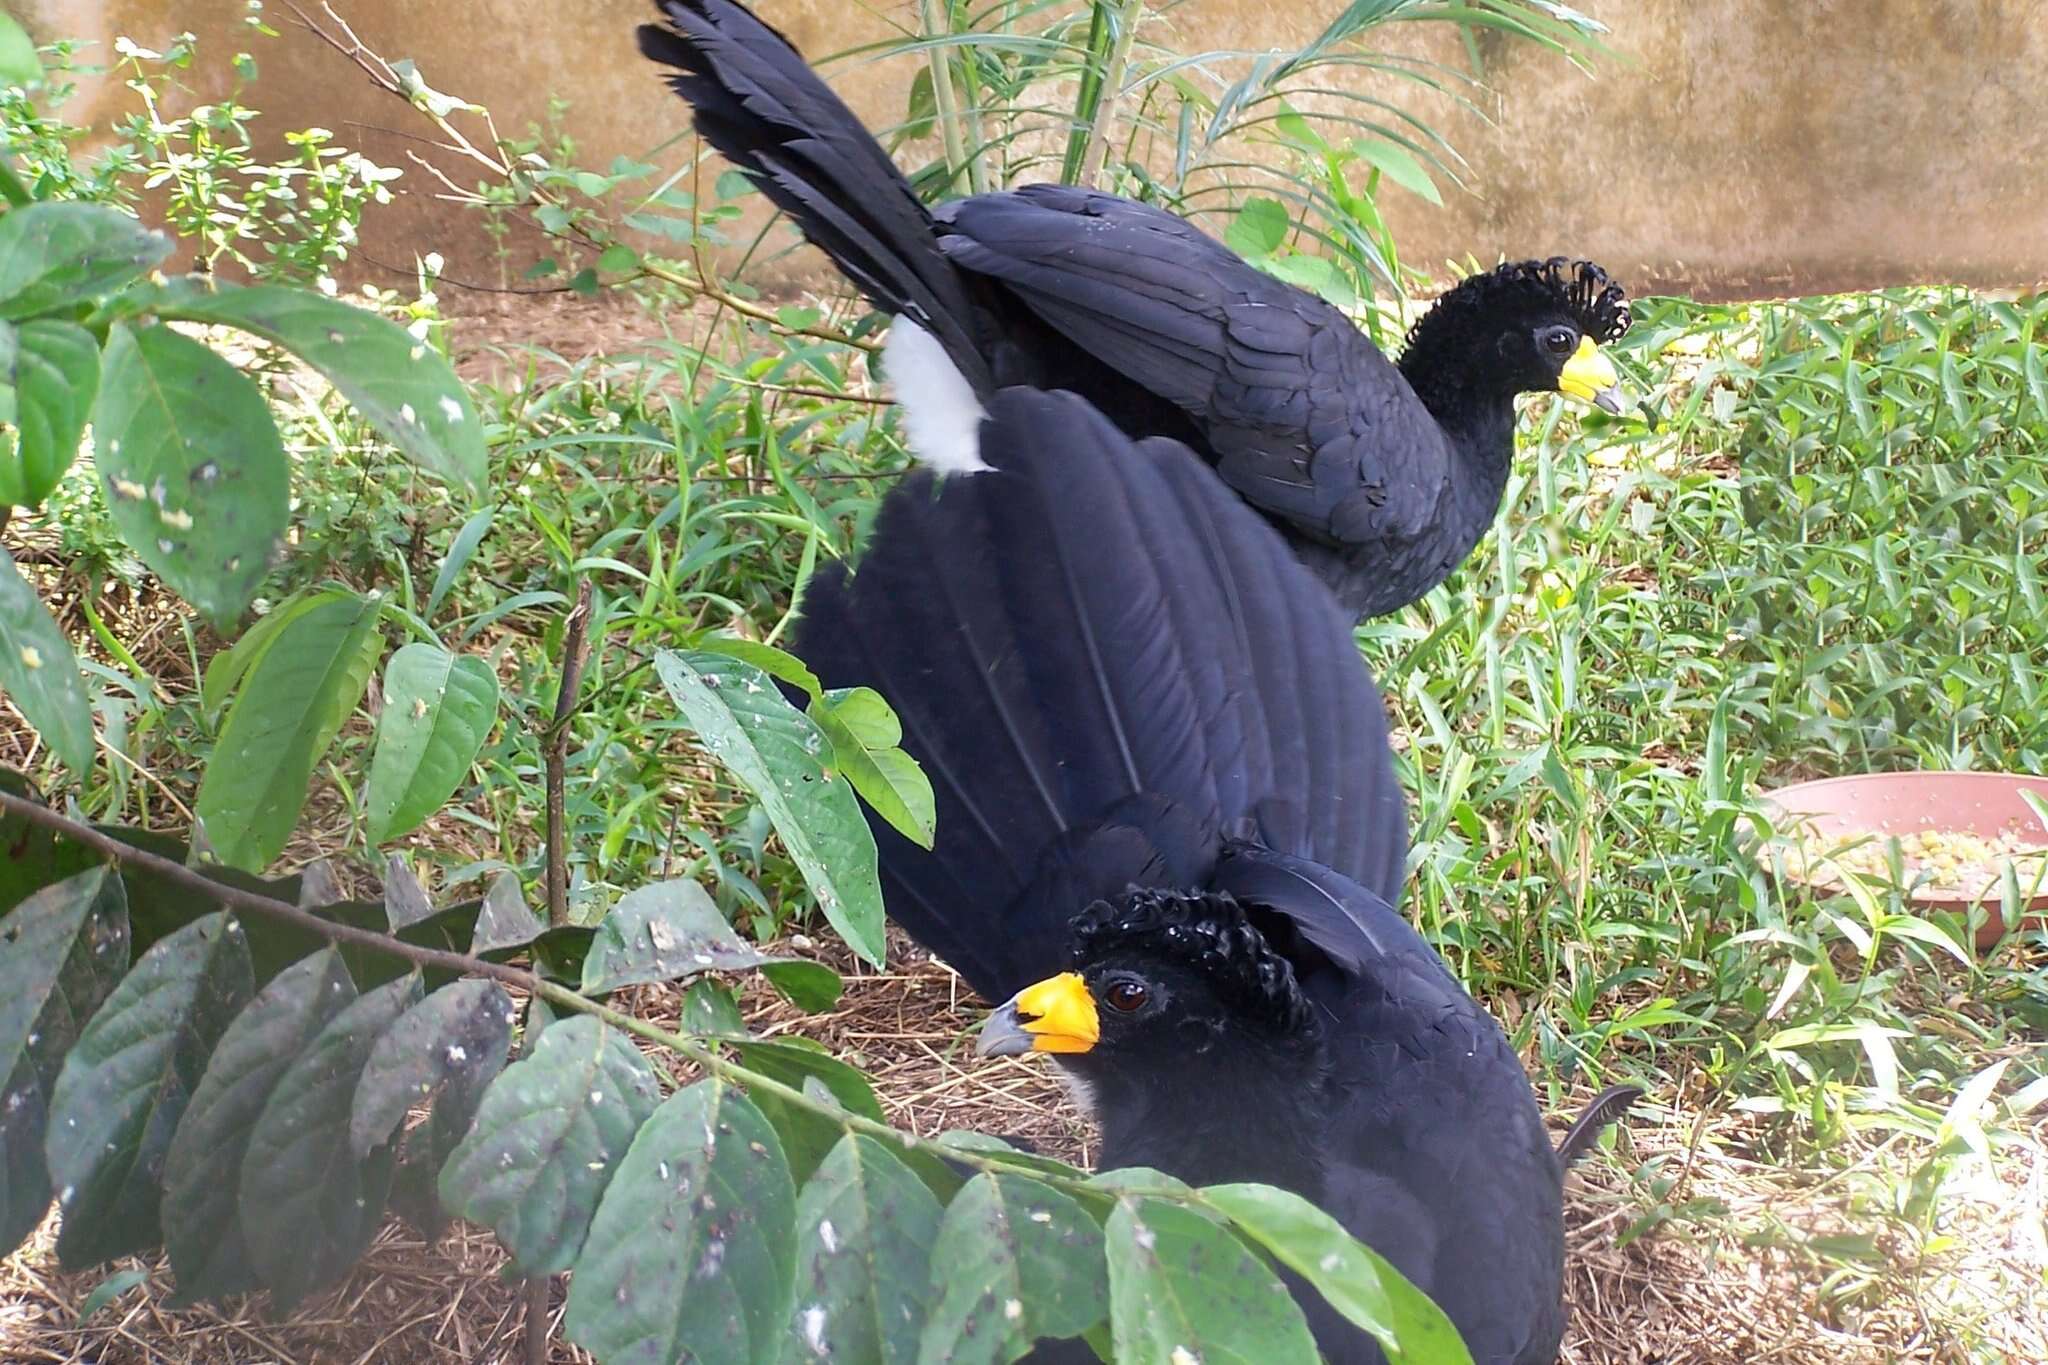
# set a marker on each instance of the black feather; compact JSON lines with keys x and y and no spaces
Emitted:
{"x":1605,"y":1109}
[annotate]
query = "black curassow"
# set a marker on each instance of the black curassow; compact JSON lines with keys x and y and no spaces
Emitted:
{"x":1382,"y":478}
{"x":1170,"y":833}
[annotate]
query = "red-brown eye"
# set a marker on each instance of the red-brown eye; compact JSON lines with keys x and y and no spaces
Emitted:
{"x":1124,"y":995}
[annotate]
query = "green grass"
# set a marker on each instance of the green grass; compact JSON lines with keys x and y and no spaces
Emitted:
{"x":1821,"y":557}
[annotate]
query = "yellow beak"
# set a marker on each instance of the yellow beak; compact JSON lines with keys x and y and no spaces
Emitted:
{"x":1056,"y":1015}
{"x":1589,"y":376}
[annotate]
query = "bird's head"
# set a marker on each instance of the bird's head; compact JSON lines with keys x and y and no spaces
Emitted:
{"x":1528,"y":327}
{"x":1157,"y":978}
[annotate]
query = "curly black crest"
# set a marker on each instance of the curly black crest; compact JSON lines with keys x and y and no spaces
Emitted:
{"x":1206,"y":933}
{"x":1598,"y":306}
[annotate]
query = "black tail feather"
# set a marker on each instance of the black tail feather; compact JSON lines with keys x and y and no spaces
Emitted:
{"x":760,"y":104}
{"x":1606,"y":1108}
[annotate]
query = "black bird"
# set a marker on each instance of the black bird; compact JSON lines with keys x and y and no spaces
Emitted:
{"x":1170,"y":833}
{"x":1382,"y":478}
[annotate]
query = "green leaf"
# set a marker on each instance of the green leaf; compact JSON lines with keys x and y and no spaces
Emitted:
{"x":227,"y":669}
{"x":770,"y":660}
{"x":39,"y":674}
{"x":1315,"y":274}
{"x":32,"y":857}
{"x":1015,"y":1261}
{"x":2037,"y":377}
{"x":19,"y":64}
{"x":1399,"y":165}
{"x":618,"y":258}
{"x":403,"y":387}
{"x":58,"y":255}
{"x":125,"y":1086}
{"x":446,"y":1049}
{"x":121,"y":1281}
{"x":438,"y":709}
{"x":61,"y":951}
{"x":1358,"y":1282}
{"x":776,"y":752}
{"x":460,"y":552}
{"x":864,"y":734}
{"x":810,"y":986}
{"x":546,"y":1139}
{"x":203,"y":1170}
{"x":1181,"y":1285}
{"x":663,"y":932}
{"x":802,"y":1065}
{"x":692,"y":1253}
{"x":308,"y":1209}
{"x":710,"y":1007}
{"x":1258,"y":229}
{"x":53,"y":369}
{"x":504,"y":921}
{"x":865,"y":1226}
{"x":298,"y":694}
{"x":191,"y":467}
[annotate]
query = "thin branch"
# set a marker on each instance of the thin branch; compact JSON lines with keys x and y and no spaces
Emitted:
{"x":382,"y":75}
{"x":702,"y":1051}
{"x":1112,"y":81}
{"x":554,"y":754}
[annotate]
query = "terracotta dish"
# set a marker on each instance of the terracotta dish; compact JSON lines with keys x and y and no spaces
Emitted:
{"x":1966,"y":821}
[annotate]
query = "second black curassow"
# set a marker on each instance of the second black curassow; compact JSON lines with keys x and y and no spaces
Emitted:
{"x":1170,"y":834}
{"x":1382,"y":478}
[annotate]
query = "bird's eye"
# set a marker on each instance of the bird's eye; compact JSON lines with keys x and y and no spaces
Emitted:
{"x":1124,"y":995}
{"x":1559,"y":341}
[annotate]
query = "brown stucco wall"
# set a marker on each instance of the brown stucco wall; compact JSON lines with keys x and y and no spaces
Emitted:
{"x":1742,"y":146}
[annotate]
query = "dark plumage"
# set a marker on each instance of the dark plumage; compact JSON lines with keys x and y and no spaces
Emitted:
{"x":1166,"y":797}
{"x":1382,"y":478}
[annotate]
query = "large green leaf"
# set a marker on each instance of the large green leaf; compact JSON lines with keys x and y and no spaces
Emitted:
{"x":61,"y":951}
{"x":663,"y":932}
{"x":1182,"y":1287}
{"x":693,"y":1251}
{"x":56,"y":255}
{"x":504,"y":921}
{"x":225,"y":670}
{"x":403,"y":386}
{"x":191,"y":466}
{"x":1015,"y":1260}
{"x":547,"y":1138}
{"x":203,"y":1170}
{"x":438,"y":707}
{"x":865,"y":1226}
{"x":446,"y":1049}
{"x":52,"y":370}
{"x":866,"y":743}
{"x":19,"y":64}
{"x":778,"y":753}
{"x":32,"y":857}
{"x":127,"y":1081}
{"x":1358,"y":1282}
{"x":806,"y":1066}
{"x":308,"y":1207}
{"x":39,"y":673}
{"x":295,"y":699}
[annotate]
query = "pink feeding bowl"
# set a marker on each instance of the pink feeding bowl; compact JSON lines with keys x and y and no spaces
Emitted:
{"x":1817,"y":817}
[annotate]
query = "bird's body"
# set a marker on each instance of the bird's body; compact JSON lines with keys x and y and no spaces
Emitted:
{"x":1382,"y":478}
{"x":1162,"y":772}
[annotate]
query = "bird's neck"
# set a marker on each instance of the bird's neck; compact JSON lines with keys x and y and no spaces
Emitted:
{"x":1455,"y":374}
{"x":1231,"y":1113}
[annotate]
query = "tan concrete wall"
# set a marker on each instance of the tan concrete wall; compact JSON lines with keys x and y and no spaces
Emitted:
{"x":1742,"y":146}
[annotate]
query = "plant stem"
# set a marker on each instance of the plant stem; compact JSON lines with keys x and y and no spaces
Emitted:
{"x":942,"y":100}
{"x":554,"y":754}
{"x":701,"y":1051}
{"x":1106,"y":95}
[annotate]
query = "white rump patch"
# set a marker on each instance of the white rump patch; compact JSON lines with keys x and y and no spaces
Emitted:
{"x":941,"y":415}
